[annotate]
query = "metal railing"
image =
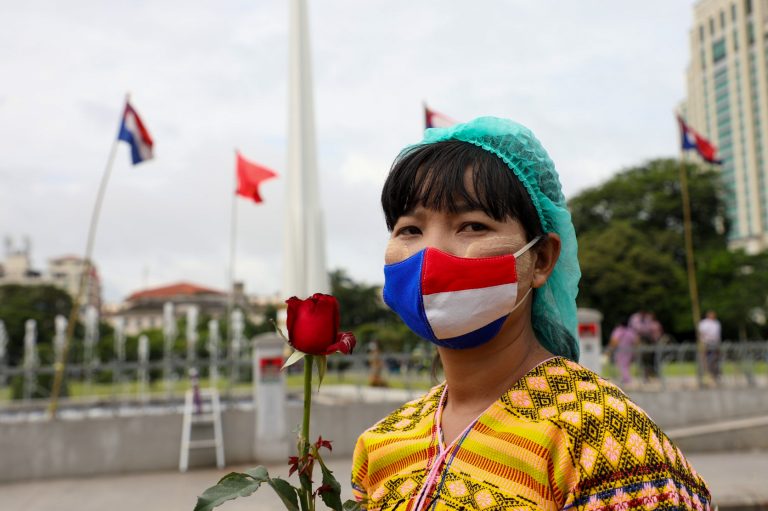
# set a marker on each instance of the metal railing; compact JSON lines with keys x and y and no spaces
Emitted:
{"x":164,"y":380}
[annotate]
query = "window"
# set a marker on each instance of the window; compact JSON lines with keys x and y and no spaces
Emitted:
{"x":711,"y":26}
{"x":722,"y":19}
{"x":718,"y":51}
{"x":701,"y":33}
{"x":733,"y":13}
{"x":748,"y":7}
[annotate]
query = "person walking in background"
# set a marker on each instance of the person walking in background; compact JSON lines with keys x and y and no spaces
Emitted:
{"x":657,"y":332}
{"x":642,"y":323}
{"x":710,"y":333}
{"x":622,"y":346}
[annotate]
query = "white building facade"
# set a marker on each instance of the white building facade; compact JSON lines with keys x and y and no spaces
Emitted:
{"x":727,"y":102}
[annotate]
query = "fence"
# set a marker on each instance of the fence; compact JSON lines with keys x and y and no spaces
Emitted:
{"x":144,"y":382}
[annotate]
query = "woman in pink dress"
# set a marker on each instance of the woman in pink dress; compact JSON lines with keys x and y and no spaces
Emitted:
{"x":622,"y":344}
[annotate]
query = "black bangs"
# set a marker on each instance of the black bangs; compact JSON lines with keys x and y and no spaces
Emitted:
{"x":433,"y":176}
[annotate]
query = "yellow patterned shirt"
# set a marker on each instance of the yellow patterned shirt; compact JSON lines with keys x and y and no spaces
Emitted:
{"x":561,"y":438}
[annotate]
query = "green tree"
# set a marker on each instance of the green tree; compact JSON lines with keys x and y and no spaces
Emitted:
{"x":647,"y":198}
{"x":735,"y":285}
{"x":632,"y":252}
{"x":41,"y":303}
{"x":622,"y":272}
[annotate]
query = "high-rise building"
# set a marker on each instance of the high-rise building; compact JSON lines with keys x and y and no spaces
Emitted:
{"x":727,"y":102}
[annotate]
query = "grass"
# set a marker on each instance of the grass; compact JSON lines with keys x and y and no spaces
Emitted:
{"x":687,"y":369}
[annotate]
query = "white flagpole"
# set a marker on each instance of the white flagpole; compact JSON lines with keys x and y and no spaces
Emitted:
{"x":232,"y":245}
{"x":61,"y":362}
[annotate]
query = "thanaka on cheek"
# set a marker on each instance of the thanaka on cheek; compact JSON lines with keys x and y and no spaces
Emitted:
{"x":496,"y":246}
{"x":396,"y":251}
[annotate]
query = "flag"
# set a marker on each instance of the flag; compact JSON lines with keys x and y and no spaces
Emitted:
{"x":249,"y":176}
{"x":689,"y":139}
{"x":133,"y":131}
{"x":434,"y":119}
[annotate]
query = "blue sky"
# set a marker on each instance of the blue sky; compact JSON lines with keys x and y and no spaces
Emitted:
{"x":596,"y":81}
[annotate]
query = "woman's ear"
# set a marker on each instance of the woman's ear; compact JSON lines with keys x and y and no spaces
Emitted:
{"x":547,"y":253}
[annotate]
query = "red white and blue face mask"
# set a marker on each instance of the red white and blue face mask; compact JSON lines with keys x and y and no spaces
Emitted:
{"x":453,"y":302}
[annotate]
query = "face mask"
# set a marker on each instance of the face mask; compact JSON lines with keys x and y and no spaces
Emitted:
{"x":454,"y":302}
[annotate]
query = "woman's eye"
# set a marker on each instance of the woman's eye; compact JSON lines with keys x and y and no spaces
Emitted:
{"x":474,"y":227}
{"x":408,"y":230}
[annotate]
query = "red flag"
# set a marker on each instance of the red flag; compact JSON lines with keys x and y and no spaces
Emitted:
{"x":434,"y":119}
{"x":689,"y":139}
{"x":249,"y":176}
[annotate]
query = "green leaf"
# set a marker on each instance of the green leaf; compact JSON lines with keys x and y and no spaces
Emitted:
{"x":286,"y":492}
{"x":322,"y":365}
{"x":258,"y":473}
{"x":352,"y":505}
{"x":332,"y":497}
{"x":295,"y":357}
{"x":229,"y":487}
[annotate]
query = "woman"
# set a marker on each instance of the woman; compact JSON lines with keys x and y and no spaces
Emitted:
{"x":622,"y":344}
{"x":482,"y":262}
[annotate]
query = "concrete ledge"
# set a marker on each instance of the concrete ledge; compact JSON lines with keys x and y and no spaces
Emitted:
{"x":114,"y":445}
{"x":683,"y":408}
{"x":723,"y":436}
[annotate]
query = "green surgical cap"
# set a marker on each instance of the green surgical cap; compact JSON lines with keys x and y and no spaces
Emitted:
{"x":554,"y":304}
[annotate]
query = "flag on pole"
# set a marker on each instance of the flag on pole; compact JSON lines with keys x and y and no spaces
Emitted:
{"x":434,"y":119}
{"x":133,"y":131}
{"x":689,"y":139}
{"x":249,"y":176}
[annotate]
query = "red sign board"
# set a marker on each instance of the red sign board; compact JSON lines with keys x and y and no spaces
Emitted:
{"x":270,"y":368}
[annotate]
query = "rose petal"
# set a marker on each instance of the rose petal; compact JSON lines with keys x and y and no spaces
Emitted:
{"x":345,"y":343}
{"x":313,"y":323}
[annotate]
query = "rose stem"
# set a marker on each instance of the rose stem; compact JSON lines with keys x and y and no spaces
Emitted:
{"x":308,"y":361}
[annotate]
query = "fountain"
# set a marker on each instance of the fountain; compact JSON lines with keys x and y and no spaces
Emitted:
{"x":143,"y":367}
{"x":89,"y":343}
{"x":31,"y":360}
{"x":60,"y":335}
{"x":3,"y":352}
{"x":237,"y":323}
{"x":170,"y":332}
{"x":191,"y":334}
{"x":213,"y":350}
{"x":117,"y":373}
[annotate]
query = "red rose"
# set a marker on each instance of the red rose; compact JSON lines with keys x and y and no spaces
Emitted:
{"x":313,"y":326}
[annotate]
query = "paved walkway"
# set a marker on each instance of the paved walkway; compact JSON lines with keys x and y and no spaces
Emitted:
{"x":737,"y":480}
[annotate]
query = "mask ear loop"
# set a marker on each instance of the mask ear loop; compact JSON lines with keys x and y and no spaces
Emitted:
{"x":528,"y":246}
{"x":518,"y":254}
{"x":521,"y":301}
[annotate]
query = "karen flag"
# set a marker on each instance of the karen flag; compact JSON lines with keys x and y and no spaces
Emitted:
{"x":434,"y":119}
{"x":689,"y":139}
{"x":133,"y":131}
{"x":249,"y":176}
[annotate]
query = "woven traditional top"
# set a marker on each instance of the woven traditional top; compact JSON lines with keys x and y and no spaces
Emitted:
{"x":560,"y":438}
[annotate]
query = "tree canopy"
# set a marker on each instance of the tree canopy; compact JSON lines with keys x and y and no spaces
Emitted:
{"x":42,"y":303}
{"x":632,"y":252}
